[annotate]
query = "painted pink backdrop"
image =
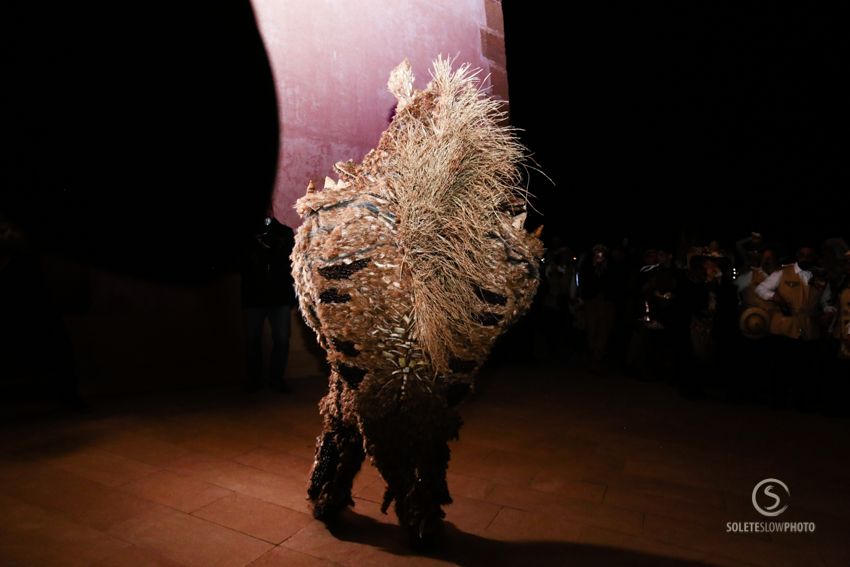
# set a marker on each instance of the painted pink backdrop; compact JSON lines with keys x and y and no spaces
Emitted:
{"x":331,"y":60}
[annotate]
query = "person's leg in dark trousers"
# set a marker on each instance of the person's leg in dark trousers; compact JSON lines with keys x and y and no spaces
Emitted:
{"x":279,"y":319}
{"x":254,"y":319}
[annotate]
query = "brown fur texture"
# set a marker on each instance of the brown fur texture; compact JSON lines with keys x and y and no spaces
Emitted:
{"x":408,"y":268}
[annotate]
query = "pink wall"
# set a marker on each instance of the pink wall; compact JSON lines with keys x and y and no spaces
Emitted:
{"x":331,"y":60}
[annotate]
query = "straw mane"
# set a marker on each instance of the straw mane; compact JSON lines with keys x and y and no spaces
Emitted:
{"x":452,"y":174}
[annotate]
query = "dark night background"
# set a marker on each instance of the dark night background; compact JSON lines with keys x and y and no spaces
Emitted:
{"x":140,"y":138}
{"x":139,"y":150}
{"x":703,"y":117}
{"x":143,"y":139}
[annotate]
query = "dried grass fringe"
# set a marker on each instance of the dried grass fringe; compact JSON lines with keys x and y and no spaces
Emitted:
{"x":455,"y":171}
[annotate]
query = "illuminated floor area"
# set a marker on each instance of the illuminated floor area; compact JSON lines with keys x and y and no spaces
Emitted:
{"x":552,"y":468}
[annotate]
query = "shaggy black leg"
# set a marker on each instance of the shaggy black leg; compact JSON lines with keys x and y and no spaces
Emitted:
{"x":419,"y":489}
{"x":420,"y":510}
{"x":339,"y":455}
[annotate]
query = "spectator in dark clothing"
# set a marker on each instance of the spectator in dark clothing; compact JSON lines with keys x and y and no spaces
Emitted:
{"x":268,"y":293}
{"x":599,"y":288}
{"x":619,"y":342}
{"x":837,"y":389}
{"x":655,"y":290}
{"x":558,"y":290}
{"x":708,"y":316}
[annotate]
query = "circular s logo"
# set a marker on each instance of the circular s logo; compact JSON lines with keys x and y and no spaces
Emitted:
{"x":767,"y":489}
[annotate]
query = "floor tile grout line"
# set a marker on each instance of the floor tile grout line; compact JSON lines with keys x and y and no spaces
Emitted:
{"x":330,"y":561}
{"x":236,"y":530}
{"x":493,"y":519}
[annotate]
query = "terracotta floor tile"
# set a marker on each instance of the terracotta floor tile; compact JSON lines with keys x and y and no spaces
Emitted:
{"x":577,"y":511}
{"x":81,"y":500}
{"x":31,"y":536}
{"x":277,"y":462}
{"x":666,"y":504}
{"x":304,"y":447}
{"x":143,"y":448}
{"x":216,"y":444}
{"x":465,"y":452}
{"x":189,"y":540}
{"x":369,"y":489}
{"x":315,"y":540}
{"x":671,"y":488}
{"x":512,"y":524}
{"x":256,"y":518}
{"x":200,"y":465}
{"x":171,"y":489}
{"x":600,"y":469}
{"x":289,"y":493}
{"x":468,"y":486}
{"x":284,"y":557}
{"x":497,"y":466}
{"x":101,"y":466}
{"x":545,"y":481}
{"x":369,"y":472}
{"x":134,"y":556}
{"x":690,"y":474}
{"x":471,"y":516}
{"x":285,"y":491}
{"x":55,"y":435}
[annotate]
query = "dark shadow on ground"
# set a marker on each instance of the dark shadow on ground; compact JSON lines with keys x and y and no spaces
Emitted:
{"x":470,"y":550}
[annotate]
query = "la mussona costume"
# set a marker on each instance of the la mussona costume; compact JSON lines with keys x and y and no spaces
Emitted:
{"x":408,"y":268}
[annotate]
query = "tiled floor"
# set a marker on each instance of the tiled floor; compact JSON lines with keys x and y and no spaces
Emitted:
{"x":552,"y":468}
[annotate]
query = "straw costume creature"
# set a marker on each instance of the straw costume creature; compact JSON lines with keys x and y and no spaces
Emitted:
{"x":408,"y":268}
